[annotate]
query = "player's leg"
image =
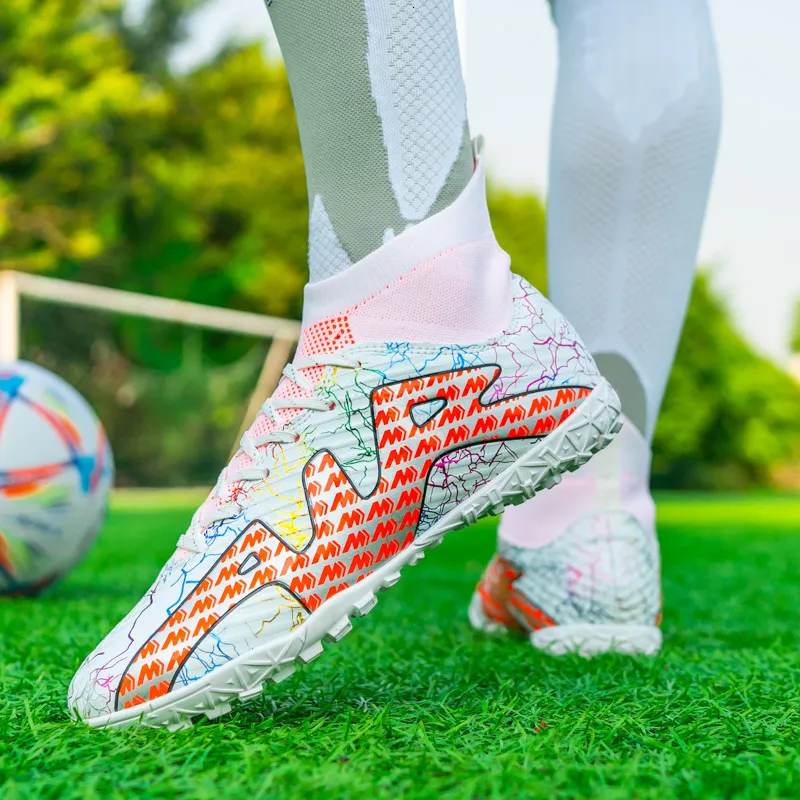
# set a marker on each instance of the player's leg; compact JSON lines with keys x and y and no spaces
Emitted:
{"x":381,"y":109}
{"x":430,"y":388}
{"x":635,"y":133}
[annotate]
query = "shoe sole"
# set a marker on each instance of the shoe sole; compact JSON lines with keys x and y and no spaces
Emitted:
{"x":584,"y":639}
{"x":591,"y":428}
{"x":589,"y":640}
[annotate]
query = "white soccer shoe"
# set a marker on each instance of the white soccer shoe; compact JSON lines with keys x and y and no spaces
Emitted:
{"x":594,"y":587}
{"x":383,"y":436}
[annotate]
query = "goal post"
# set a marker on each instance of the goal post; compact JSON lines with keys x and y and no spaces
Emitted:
{"x":9,"y":317}
{"x":283,"y":333}
{"x":182,"y":312}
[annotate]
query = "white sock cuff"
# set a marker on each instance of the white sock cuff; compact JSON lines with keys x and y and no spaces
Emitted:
{"x":466,"y":221}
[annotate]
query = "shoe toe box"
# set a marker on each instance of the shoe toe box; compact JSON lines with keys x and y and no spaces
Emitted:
{"x":95,"y":688}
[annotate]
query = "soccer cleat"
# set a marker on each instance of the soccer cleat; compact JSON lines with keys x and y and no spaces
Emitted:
{"x":369,"y":452}
{"x":595,"y":586}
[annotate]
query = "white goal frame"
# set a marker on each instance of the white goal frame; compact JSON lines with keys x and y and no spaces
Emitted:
{"x":283,"y":333}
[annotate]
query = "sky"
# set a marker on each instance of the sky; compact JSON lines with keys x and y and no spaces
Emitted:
{"x":751,"y":240}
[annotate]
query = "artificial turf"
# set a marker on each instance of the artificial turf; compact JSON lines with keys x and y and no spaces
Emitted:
{"x":414,"y":704}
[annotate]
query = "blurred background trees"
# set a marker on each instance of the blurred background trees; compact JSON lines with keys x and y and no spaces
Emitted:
{"x":116,"y":170}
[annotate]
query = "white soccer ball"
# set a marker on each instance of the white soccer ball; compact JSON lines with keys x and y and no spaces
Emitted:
{"x":56,"y":472}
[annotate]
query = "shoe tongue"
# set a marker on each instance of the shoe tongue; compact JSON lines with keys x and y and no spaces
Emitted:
{"x":323,"y":338}
{"x":326,"y":337}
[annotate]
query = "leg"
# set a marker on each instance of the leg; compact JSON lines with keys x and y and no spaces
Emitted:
{"x":381,"y":108}
{"x":635,"y":134}
{"x":430,"y":386}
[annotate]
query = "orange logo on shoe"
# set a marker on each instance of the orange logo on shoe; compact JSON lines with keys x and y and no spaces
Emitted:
{"x":500,"y":598}
{"x":352,"y":534}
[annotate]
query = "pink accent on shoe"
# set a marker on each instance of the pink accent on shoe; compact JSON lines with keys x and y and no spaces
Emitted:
{"x":466,"y":221}
{"x":461,"y":296}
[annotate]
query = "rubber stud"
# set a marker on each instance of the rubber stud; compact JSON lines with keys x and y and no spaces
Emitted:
{"x":180,"y":724}
{"x":220,"y":710}
{"x":469,"y":516}
{"x":249,"y":694}
{"x":390,"y":580}
{"x":364,"y":605}
{"x":338,"y":630}
{"x":283,"y":674}
{"x":311,"y":652}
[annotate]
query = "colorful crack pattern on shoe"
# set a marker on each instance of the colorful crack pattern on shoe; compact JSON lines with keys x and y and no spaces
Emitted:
{"x":603,"y":570}
{"x":359,"y":482}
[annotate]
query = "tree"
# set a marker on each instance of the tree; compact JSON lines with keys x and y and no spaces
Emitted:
{"x":151,"y":40}
{"x":65,"y":90}
{"x":729,"y":416}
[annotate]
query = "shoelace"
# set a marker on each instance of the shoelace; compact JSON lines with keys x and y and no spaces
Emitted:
{"x":258,"y":470}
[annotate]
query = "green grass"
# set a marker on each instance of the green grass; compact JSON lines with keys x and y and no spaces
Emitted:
{"x":414,"y":704}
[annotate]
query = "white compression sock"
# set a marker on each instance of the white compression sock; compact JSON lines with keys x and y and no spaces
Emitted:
{"x":635,"y":135}
{"x":381,"y":110}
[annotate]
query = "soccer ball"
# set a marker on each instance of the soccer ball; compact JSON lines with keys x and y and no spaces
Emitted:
{"x":56,"y":471}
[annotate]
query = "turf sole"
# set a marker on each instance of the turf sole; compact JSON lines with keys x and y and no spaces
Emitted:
{"x":591,"y":428}
{"x":584,"y":639}
{"x":591,"y":640}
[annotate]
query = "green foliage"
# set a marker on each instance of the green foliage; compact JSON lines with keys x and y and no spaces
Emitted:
{"x":729,"y":416}
{"x":186,"y":186}
{"x":66,"y":92}
{"x":152,"y":40}
{"x":226,"y":211}
{"x":413,"y":704}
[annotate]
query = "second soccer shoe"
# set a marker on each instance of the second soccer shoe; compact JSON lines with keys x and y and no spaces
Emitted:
{"x":403,"y":417}
{"x":578,"y":569}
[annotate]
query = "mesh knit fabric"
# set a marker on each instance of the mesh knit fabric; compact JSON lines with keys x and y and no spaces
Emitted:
{"x":381,"y":110}
{"x":326,"y":256}
{"x":415,"y":72}
{"x":635,"y":136}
